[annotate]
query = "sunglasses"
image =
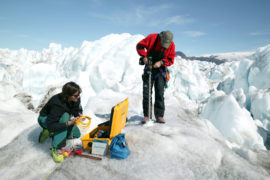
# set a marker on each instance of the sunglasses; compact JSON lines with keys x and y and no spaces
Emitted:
{"x":76,"y":96}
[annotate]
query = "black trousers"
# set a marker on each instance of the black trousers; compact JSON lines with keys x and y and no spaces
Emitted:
{"x":159,"y":85}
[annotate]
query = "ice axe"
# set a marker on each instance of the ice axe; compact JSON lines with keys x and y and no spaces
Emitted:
{"x":67,"y":153}
{"x":150,"y":66}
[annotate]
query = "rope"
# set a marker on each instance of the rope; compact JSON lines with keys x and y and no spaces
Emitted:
{"x":57,"y":166}
{"x":82,"y":123}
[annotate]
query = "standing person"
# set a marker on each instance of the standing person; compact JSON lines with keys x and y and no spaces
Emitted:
{"x":162,"y":50}
{"x":56,"y":118}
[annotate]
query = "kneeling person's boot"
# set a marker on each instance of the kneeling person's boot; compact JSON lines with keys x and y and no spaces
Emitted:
{"x":43,"y":135}
{"x":57,"y":155}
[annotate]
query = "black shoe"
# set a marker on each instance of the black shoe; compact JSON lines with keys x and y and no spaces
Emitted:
{"x":145,"y":119}
{"x":160,"y":120}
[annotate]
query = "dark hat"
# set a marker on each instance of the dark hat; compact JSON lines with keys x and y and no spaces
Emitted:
{"x":166,"y":38}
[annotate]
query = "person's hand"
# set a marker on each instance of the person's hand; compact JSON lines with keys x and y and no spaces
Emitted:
{"x":157,"y":64}
{"x":71,"y":122}
{"x":145,"y":60}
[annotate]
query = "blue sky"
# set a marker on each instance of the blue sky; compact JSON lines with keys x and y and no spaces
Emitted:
{"x":199,"y":26}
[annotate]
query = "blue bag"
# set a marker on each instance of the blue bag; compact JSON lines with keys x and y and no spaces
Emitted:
{"x":119,"y":147}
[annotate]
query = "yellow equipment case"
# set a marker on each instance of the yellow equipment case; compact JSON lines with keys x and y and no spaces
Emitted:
{"x":107,"y":130}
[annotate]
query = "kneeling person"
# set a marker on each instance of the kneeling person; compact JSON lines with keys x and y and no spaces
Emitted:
{"x":55,"y":118}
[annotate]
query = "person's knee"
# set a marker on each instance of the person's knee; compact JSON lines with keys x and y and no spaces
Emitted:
{"x":76,"y":132}
{"x":65,"y":117}
{"x":159,"y":94}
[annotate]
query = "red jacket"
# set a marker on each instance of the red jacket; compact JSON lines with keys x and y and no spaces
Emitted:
{"x":148,"y":42}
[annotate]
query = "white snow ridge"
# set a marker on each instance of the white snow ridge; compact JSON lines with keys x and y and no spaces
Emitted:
{"x":217,"y":116}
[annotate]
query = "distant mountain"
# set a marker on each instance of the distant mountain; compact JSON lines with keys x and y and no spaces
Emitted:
{"x":212,"y":59}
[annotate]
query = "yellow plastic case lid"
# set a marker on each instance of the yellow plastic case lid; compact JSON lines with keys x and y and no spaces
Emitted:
{"x":118,"y":121}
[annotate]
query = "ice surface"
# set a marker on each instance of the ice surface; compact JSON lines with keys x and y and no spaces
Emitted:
{"x":215,"y":114}
{"x":232,"y":120}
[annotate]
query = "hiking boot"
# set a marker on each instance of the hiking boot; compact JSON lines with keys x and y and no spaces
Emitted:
{"x":57,"y":155}
{"x":145,"y":119}
{"x":43,"y":135}
{"x":160,"y":120}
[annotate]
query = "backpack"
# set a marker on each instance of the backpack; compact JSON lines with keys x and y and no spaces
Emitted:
{"x":119,"y":147}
